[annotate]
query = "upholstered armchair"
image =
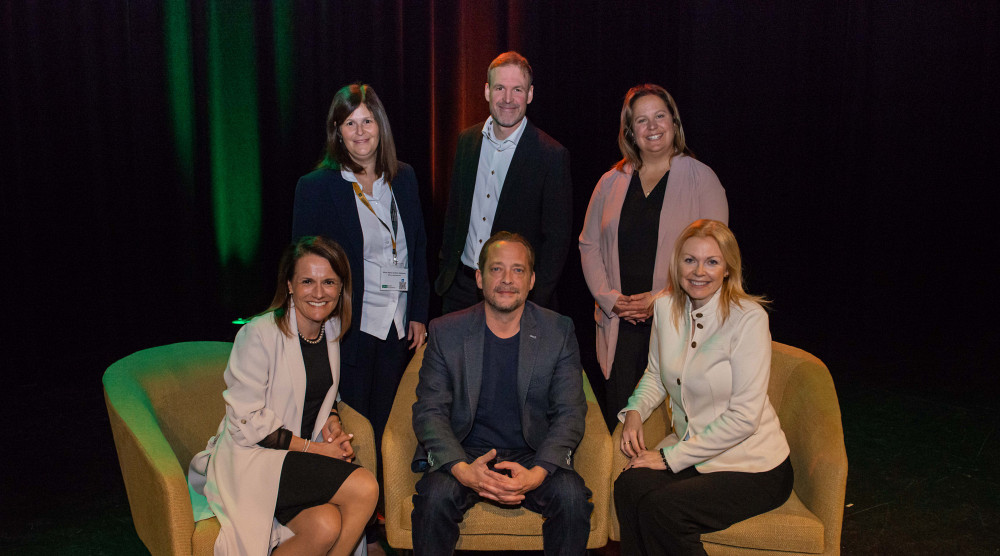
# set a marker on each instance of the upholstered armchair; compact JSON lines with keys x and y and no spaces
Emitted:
{"x":164,"y":403}
{"x":486,"y":526}
{"x":801,"y":390}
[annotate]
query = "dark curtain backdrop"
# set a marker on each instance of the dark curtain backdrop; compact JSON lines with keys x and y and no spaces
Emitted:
{"x":150,"y":152}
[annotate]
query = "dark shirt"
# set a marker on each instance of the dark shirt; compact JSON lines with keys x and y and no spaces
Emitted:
{"x":638,"y":233}
{"x":498,"y":416}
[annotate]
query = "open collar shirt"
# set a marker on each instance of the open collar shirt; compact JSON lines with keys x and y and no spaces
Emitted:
{"x":494,"y":161}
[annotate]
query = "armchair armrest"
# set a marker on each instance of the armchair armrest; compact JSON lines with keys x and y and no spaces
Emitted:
{"x":364,"y":437}
{"x":154,"y":481}
{"x":810,"y":417}
{"x":654,"y":430}
{"x":399,"y":443}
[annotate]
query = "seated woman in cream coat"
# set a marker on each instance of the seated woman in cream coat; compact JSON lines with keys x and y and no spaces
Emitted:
{"x":710,"y":352}
{"x":278,"y":473}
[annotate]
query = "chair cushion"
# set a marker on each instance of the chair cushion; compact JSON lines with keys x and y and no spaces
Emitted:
{"x":788,"y":528}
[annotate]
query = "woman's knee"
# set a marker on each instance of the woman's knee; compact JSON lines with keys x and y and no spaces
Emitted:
{"x":320,"y":524}
{"x":360,"y":488}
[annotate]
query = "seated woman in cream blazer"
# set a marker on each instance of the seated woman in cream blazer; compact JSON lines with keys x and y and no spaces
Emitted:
{"x":710,"y":352}
{"x":277,"y":473}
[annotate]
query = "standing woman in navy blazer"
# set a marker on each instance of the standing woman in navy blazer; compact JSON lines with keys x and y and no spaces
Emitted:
{"x":368,"y":202}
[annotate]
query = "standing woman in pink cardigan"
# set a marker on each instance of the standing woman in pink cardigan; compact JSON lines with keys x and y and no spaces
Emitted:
{"x":637,"y":210}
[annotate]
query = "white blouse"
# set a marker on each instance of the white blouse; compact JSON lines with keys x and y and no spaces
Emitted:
{"x":380,"y":308}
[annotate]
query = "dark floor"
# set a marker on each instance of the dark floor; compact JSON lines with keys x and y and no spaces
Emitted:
{"x":924,"y":475}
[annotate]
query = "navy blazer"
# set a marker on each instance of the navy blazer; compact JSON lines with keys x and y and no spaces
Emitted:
{"x":536,"y":201}
{"x":325,"y":205}
{"x":549,"y":386}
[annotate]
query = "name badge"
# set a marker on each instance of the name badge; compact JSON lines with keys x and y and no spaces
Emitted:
{"x":394,"y":280}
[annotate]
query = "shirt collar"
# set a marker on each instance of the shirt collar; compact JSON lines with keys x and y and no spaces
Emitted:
{"x":376,"y":187}
{"x":510,"y":141}
{"x":707,"y":309}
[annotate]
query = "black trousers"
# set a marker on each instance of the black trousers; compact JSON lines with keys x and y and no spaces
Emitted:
{"x":441,"y":502}
{"x":664,"y":513}
{"x":631,"y":359}
{"x":463,"y":291}
{"x":369,"y":385}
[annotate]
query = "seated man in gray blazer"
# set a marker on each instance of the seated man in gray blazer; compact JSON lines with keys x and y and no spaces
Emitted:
{"x":500,"y":410}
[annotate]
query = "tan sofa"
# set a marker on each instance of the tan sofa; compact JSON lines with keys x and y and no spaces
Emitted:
{"x":164,"y":403}
{"x":801,"y":390}
{"x":486,"y":527}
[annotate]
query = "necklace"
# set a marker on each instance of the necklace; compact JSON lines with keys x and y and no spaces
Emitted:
{"x":318,"y":338}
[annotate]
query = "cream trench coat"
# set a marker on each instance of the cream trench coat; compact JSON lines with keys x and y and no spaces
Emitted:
{"x":716,"y":376}
{"x":693,"y":192}
{"x":266,"y":384}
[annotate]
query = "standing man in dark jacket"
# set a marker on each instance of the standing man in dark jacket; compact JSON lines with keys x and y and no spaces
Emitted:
{"x":508,"y":175}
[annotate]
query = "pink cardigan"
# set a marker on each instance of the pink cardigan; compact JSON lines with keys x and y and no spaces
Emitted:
{"x":693,"y":192}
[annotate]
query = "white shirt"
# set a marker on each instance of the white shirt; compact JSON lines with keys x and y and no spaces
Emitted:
{"x":494,"y":161}
{"x":380,"y":309}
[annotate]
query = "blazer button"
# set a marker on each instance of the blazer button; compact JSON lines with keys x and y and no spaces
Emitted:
{"x":678,"y":382}
{"x":699,"y":325}
{"x":694,"y":344}
{"x":244,"y":421}
{"x":697,"y":315}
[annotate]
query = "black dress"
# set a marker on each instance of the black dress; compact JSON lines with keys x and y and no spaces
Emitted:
{"x":308,"y":479}
{"x":638,"y":233}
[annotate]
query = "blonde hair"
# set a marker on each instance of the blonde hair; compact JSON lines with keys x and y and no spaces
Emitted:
{"x":732,"y":291}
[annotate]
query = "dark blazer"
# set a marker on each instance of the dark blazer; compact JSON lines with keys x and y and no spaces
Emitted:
{"x":549,"y":386}
{"x":325,"y":205}
{"x":536,"y":202}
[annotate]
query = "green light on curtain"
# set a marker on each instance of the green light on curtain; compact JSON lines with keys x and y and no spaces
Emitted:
{"x":284,"y":66}
{"x":180,"y":84}
{"x":234,"y":133}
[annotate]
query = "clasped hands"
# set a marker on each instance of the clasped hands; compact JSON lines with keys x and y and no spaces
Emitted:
{"x":337,"y":441}
{"x":634,"y":308}
{"x":497,"y":487}
{"x":634,"y":446}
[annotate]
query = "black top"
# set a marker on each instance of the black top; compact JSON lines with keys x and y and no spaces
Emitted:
{"x":638,"y":234}
{"x":498,"y":417}
{"x":318,"y":382}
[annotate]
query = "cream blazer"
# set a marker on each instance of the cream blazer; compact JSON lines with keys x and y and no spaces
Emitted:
{"x":716,"y":376}
{"x":265,"y":390}
{"x":693,"y":192}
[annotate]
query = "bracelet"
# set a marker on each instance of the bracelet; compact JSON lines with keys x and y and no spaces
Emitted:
{"x":306,"y":448}
{"x":334,"y":412}
{"x":663,"y":456}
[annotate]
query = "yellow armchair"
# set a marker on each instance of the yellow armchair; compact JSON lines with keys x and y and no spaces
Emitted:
{"x":801,"y":390}
{"x":164,"y":403}
{"x":486,"y":527}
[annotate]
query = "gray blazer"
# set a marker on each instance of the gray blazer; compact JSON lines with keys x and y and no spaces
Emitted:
{"x":549,"y":386}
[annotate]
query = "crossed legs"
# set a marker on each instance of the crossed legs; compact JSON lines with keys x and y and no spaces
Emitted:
{"x":335,"y":527}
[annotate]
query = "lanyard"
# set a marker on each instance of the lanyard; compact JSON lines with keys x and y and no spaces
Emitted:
{"x":392,"y":215}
